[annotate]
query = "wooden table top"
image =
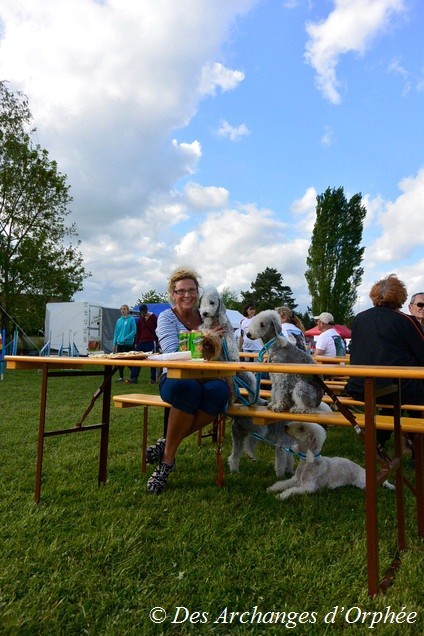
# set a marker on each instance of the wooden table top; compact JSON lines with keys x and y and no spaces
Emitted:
{"x":202,"y":368}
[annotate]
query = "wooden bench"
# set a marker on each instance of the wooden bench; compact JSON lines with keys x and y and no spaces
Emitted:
{"x":338,"y":386}
{"x":261,"y":416}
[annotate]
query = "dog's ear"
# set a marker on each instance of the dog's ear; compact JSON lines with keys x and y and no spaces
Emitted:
{"x":222,"y":311}
{"x":276,"y":323}
{"x":315,"y":438}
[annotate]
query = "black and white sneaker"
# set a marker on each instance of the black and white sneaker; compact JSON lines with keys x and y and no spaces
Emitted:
{"x":154,"y":453}
{"x":157,"y":482}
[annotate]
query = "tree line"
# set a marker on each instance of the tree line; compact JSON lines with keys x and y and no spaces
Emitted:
{"x":41,"y":260}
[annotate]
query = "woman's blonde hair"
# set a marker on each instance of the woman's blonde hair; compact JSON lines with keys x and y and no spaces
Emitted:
{"x":289,"y":316}
{"x":389,"y":292}
{"x":180,"y":274}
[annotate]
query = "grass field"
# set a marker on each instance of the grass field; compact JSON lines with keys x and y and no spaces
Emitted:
{"x":96,"y":561}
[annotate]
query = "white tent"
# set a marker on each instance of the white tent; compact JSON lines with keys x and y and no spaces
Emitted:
{"x":235,"y":317}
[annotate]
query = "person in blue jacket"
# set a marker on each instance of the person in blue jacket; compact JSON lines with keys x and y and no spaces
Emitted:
{"x":124,"y":335}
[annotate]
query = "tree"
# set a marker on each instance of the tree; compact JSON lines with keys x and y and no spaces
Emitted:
{"x":230,"y":298}
{"x":38,"y":262}
{"x":268,"y":291}
{"x":334,"y":257}
{"x":152,"y":296}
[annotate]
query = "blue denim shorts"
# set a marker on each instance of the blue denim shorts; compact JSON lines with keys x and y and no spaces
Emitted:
{"x":191,"y":396}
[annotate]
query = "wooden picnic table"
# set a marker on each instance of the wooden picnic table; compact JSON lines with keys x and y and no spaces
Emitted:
{"x":81,"y":366}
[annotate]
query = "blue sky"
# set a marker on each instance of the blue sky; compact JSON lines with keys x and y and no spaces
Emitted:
{"x":200,"y":133}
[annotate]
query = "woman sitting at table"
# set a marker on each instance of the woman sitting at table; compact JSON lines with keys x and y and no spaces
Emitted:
{"x":194,"y":403}
{"x":383,"y":335}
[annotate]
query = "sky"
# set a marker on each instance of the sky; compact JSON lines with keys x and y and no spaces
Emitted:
{"x":199,"y":132}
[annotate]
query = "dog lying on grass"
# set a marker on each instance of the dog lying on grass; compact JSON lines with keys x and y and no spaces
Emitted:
{"x":317,"y":472}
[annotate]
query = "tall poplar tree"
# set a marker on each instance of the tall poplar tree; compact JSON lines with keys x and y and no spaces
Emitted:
{"x":335,"y":254}
{"x":38,"y":261}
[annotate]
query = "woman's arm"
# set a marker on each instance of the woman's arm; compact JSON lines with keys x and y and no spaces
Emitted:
{"x":167,"y":331}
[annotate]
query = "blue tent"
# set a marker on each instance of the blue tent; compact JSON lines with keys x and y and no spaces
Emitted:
{"x":155,"y":308}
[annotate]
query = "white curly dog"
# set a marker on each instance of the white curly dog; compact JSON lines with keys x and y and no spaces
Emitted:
{"x":316,"y":472}
{"x":213,"y":313}
{"x":289,"y":391}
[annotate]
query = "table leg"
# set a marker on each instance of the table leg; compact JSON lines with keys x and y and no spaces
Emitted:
{"x":104,"y":436}
{"x":41,"y":430}
{"x":371,"y":488}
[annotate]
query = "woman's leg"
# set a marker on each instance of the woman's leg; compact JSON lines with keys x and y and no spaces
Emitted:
{"x":180,"y":426}
{"x":194,"y":405}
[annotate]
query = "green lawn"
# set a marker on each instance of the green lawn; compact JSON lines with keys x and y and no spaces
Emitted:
{"x":91,"y":560}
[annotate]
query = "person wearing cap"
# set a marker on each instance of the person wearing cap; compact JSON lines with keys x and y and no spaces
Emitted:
{"x":328,"y":342}
{"x":245,"y":343}
{"x":145,"y":340}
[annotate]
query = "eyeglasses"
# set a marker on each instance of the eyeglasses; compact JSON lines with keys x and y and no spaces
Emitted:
{"x":186,"y":292}
{"x":420,"y":305}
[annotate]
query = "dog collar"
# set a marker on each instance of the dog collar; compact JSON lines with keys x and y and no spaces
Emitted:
{"x":299,"y":454}
{"x":287,"y":449}
{"x":265,"y":348}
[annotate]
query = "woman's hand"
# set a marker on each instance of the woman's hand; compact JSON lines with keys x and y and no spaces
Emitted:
{"x":218,"y":329}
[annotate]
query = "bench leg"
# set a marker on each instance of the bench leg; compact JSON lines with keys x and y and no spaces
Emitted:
{"x":219,"y":426}
{"x":400,"y":497}
{"x":419,"y":480}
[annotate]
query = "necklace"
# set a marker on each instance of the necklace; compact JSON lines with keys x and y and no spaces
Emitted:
{"x":188,"y":322}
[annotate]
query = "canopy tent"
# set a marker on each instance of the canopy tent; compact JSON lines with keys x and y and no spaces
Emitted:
{"x":343,"y":331}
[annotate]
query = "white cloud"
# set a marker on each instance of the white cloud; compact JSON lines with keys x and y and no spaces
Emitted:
{"x":217,"y":75}
{"x":112,"y":86}
{"x":231,"y":132}
{"x":398,"y":218}
{"x":350,"y":27}
{"x":328,"y":136}
{"x":305,"y":209}
{"x":205,"y":198}
{"x":106,"y":106}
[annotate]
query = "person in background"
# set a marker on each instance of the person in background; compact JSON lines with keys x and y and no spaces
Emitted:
{"x":329,"y":342}
{"x":124,"y":335}
{"x":245,"y":343}
{"x":145,"y":340}
{"x":194,"y":403}
{"x":292,"y":327}
{"x":383,"y":335}
{"x":416,"y":307}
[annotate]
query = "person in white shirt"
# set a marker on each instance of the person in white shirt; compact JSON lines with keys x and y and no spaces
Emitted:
{"x":329,"y":342}
{"x":245,"y":343}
